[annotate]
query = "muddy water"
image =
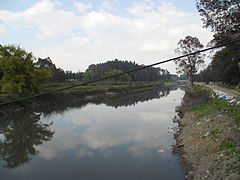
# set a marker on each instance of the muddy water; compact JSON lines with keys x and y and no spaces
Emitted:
{"x":124,"y":138}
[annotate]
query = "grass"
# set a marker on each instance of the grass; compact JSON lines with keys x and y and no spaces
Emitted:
{"x":230,"y":149}
{"x":215,"y":104}
{"x":233,"y":154}
{"x":228,"y":145}
{"x":202,"y":89}
{"x":130,"y":85}
{"x":97,"y":88}
{"x":214,"y":132}
{"x":80,"y":87}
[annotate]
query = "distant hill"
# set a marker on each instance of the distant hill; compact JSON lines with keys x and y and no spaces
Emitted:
{"x":148,"y":74}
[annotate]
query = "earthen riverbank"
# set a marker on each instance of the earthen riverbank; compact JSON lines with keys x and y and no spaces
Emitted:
{"x":208,"y":136}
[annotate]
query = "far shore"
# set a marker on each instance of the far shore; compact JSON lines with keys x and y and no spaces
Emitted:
{"x":83,"y":92}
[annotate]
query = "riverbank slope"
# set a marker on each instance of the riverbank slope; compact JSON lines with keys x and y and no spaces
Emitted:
{"x":208,"y":139}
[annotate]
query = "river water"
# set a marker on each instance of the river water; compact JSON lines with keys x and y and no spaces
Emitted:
{"x":124,"y":138}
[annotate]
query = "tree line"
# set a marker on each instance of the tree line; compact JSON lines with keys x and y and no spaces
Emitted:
{"x":58,"y":74}
{"x":223,"y":17}
{"x":109,"y":68}
{"x":23,"y":74}
{"x":116,"y":66}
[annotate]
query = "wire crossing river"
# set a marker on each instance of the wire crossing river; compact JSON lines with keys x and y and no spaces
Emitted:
{"x":124,"y":138}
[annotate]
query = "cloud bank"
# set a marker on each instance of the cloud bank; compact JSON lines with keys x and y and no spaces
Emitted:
{"x":75,"y":38}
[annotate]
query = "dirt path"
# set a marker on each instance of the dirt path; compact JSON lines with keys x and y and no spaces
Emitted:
{"x":231,"y":92}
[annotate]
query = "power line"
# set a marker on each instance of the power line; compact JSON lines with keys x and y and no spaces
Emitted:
{"x":126,"y":72}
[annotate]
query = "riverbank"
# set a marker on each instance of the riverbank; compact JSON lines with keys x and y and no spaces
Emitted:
{"x":83,"y":93}
{"x":208,"y":136}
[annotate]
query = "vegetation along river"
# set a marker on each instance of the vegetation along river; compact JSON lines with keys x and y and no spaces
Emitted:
{"x":110,"y":138}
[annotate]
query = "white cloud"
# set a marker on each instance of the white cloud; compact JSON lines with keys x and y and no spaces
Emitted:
{"x":140,"y":9}
{"x":82,"y":7}
{"x":150,"y":33}
{"x":3,"y":29}
{"x":107,"y":5}
{"x":44,"y":17}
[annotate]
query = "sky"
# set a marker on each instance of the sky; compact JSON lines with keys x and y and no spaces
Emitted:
{"x":77,"y":33}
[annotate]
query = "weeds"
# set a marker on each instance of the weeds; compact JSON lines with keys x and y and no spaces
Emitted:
{"x":202,"y":89}
{"x":233,"y":155}
{"x":227,"y":145}
{"x":214,"y":134}
{"x":215,"y":104}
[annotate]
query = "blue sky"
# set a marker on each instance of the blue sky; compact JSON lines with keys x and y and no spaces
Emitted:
{"x":76,"y":33}
{"x":19,"y":5}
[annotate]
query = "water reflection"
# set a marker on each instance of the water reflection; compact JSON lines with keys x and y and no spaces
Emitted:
{"x":133,"y":99}
{"x":20,"y":136}
{"x":118,"y":135}
{"x":61,"y":103}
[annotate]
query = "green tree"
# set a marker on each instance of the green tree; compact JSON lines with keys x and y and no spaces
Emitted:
{"x":190,"y":64}
{"x":88,"y":75}
{"x":20,"y":74}
{"x":223,"y":17}
{"x":149,"y":74}
{"x":122,"y":78}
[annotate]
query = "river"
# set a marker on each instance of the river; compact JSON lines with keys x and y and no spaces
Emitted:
{"x":124,"y":138}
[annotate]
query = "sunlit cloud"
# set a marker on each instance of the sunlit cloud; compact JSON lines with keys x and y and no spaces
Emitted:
{"x":83,"y":7}
{"x":146,"y":32}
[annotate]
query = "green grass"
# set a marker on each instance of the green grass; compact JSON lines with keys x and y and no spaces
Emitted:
{"x":214,"y":132}
{"x":202,"y":89}
{"x":50,"y":86}
{"x":229,"y":148}
{"x":81,"y":87}
{"x":215,"y":104}
{"x":231,"y":151}
{"x":228,"y":145}
{"x":204,"y":109}
{"x":130,"y":85}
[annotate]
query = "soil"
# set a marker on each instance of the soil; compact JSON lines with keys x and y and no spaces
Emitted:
{"x":199,"y":141}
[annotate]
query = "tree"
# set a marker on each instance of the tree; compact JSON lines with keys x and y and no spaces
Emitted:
{"x":20,"y":74}
{"x":123,"y":78}
{"x":190,"y":64}
{"x":149,"y":74}
{"x":88,"y":75}
{"x":223,"y":17}
{"x":225,"y":65}
{"x":58,"y":74}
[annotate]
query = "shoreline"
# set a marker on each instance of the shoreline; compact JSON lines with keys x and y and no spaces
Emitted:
{"x":208,"y":138}
{"x":82,"y":94}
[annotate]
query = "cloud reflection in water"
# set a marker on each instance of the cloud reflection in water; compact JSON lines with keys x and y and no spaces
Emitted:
{"x":141,"y":129}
